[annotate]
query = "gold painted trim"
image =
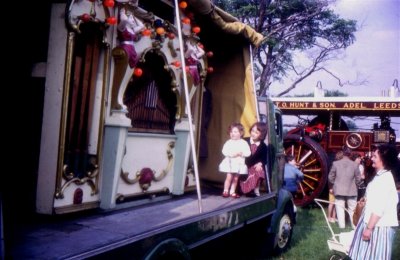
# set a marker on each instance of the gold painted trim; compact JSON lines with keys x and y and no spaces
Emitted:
{"x":77,"y":181}
{"x":170,"y":156}
{"x":76,"y":207}
{"x":75,"y":26}
{"x":92,"y":178}
{"x":119,"y":198}
{"x":126,"y":179}
{"x":64,"y":110}
{"x":100,"y":146}
{"x":164,"y":172}
{"x":357,"y":137}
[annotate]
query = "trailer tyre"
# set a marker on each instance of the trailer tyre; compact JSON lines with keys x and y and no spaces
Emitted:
{"x":283,"y":236}
{"x":313,"y":162}
{"x":169,"y":249}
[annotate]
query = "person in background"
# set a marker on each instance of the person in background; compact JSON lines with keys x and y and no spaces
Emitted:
{"x":331,"y":207}
{"x":292,"y":175}
{"x":374,"y":234}
{"x":257,"y":160}
{"x":361,"y":188}
{"x":344,"y":177}
{"x":235,"y":151}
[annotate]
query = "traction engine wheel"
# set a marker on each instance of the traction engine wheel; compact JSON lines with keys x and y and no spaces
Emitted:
{"x":313,"y":162}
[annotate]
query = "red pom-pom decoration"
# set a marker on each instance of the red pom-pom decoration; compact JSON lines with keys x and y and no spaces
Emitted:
{"x":196,"y":29}
{"x":85,"y":18}
{"x":111,"y":20}
{"x":137,"y":72}
{"x":186,"y":20}
{"x":210,"y":54}
{"x":171,"y":36}
{"x":146,"y":32}
{"x":176,"y":63}
{"x":210,"y":69}
{"x":108,"y":3}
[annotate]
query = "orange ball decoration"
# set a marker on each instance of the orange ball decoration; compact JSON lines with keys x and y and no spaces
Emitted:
{"x":196,"y":29}
{"x":137,"y":72}
{"x":183,"y":4}
{"x":160,"y":30}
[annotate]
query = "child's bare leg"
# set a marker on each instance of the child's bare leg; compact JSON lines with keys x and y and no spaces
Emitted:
{"x":228,"y":181}
{"x":257,"y":189}
{"x":234,"y":183}
{"x":330,"y":209}
{"x":331,"y":212}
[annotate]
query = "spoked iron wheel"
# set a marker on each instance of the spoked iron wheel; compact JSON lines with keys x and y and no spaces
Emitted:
{"x":313,"y":162}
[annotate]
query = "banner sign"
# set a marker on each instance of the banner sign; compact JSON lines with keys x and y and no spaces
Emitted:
{"x":365,"y":106}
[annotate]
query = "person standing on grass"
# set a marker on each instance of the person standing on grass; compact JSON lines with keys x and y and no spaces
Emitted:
{"x":374,"y":234}
{"x":344,"y":177}
{"x":331,"y":207}
{"x":235,"y":151}
{"x":361,"y":188}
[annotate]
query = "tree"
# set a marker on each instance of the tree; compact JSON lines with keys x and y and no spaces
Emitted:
{"x":328,"y":93}
{"x":292,"y":27}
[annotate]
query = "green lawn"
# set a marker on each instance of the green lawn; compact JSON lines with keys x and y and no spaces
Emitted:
{"x":311,"y":233}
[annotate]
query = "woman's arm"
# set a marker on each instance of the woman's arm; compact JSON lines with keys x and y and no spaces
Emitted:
{"x":366,"y":235}
{"x":259,"y":156}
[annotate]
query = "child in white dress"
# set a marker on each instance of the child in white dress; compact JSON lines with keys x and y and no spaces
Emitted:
{"x":235,"y":150}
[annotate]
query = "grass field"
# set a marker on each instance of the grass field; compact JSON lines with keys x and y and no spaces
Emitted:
{"x":311,"y":233}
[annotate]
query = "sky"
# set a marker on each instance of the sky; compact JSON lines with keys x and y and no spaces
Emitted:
{"x":374,"y":57}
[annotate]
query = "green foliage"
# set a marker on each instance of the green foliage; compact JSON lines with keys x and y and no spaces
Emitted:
{"x":290,"y":26}
{"x":335,"y":93}
{"x":328,"y":93}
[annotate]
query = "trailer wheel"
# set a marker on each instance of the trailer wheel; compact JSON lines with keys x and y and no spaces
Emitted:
{"x":313,"y":162}
{"x":284,"y":234}
{"x":279,"y":241}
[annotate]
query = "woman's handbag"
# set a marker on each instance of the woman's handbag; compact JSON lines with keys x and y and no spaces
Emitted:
{"x":359,"y":210}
